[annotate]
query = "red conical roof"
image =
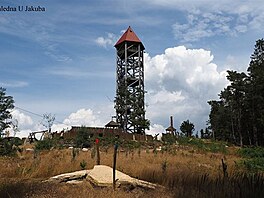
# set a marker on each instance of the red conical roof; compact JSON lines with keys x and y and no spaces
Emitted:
{"x":129,"y":35}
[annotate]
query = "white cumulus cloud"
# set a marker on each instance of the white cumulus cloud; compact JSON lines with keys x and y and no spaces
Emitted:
{"x":24,"y":121}
{"x":180,"y":82}
{"x":84,"y":117}
{"x":156,"y":129}
{"x":110,"y":39}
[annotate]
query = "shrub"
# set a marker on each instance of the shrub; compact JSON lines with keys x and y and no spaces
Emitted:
{"x":254,"y":164}
{"x":168,"y":138}
{"x":45,"y":144}
{"x":254,"y":158}
{"x":8,"y":145}
{"x":205,"y":146}
{"x":83,"y":139}
{"x":216,"y":147}
{"x":251,"y":152}
{"x":83,"y":164}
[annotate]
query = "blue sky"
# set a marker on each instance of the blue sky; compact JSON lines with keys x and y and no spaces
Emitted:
{"x":62,"y":60}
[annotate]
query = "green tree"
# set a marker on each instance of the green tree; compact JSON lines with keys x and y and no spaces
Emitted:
{"x":220,"y":121}
{"x":239,"y":114}
{"x":187,"y":128}
{"x":227,"y":115}
{"x":235,"y":100}
{"x":256,"y":92}
{"x":6,"y":105}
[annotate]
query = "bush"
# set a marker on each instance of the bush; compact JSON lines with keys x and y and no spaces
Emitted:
{"x":45,"y":144}
{"x":83,"y":139}
{"x":8,"y":146}
{"x":130,"y":144}
{"x":83,"y":164}
{"x":205,"y":146}
{"x":216,"y":147}
{"x":254,"y":164}
{"x":251,"y":152}
{"x":254,"y":158}
{"x":168,"y":138}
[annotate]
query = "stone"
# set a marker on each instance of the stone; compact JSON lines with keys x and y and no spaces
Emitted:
{"x":30,"y":149}
{"x":66,"y":177}
{"x":102,"y":176}
{"x":85,"y":149}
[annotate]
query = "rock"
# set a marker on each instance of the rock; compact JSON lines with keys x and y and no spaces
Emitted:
{"x":30,"y":149}
{"x":159,"y":148}
{"x":102,"y":176}
{"x":74,"y":182}
{"x":85,"y":149}
{"x":66,"y":177}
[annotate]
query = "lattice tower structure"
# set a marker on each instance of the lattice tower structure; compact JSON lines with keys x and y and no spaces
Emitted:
{"x":129,"y":101}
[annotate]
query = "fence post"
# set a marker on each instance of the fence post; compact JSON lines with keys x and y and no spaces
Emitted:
{"x":224,"y":166}
{"x":114,"y":166}
{"x":97,"y":151}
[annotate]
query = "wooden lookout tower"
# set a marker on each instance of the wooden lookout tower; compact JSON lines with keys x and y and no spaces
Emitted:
{"x":129,"y":101}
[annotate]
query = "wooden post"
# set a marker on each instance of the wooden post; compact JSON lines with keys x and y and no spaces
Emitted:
{"x":224,"y":166}
{"x":114,"y":166}
{"x":97,"y":151}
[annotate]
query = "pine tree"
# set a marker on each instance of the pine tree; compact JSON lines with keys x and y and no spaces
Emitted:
{"x":239,"y":114}
{"x":6,"y":105}
{"x":256,"y":91}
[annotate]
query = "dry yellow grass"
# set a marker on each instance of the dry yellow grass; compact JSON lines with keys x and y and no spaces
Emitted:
{"x":144,"y":164}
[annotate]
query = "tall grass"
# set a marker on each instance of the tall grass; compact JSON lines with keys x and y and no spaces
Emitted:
{"x":185,"y":172}
{"x":188,"y":184}
{"x":37,"y":189}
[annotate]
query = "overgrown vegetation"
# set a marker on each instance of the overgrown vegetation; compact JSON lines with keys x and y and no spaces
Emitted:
{"x":197,"y":143}
{"x":83,"y":138}
{"x":169,"y":138}
{"x":253,"y":158}
{"x":45,"y":144}
{"x":254,"y":152}
{"x":8,"y":146}
{"x":204,"y":145}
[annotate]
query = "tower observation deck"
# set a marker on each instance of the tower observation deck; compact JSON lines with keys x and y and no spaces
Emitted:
{"x":129,"y":101}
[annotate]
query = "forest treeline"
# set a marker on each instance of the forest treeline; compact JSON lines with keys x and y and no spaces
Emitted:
{"x":238,"y":115}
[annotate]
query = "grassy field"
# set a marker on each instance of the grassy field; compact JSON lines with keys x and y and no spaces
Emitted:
{"x":186,"y":170}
